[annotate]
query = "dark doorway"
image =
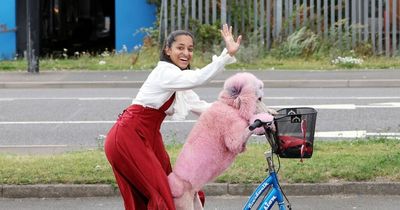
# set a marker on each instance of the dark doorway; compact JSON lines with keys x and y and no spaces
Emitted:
{"x":69,"y":26}
{"x":77,"y":25}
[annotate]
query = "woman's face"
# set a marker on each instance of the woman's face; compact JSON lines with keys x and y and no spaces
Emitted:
{"x":181,"y":51}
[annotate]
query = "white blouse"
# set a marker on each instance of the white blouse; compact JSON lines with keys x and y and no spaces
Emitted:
{"x":166,"y":78}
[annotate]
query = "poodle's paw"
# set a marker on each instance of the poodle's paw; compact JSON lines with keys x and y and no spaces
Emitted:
{"x":261,"y":108}
{"x":176,"y":185}
{"x":264,"y":117}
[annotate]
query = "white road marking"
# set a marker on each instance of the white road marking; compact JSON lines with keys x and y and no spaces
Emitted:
{"x":266,"y":98}
{"x":354,"y":134}
{"x":105,"y":99}
{"x":79,"y":122}
{"x":320,"y":106}
{"x":332,"y":97}
{"x":316,"y":106}
{"x":69,"y":98}
{"x":344,"y":106}
{"x":381,"y":105}
{"x":53,"y":122}
{"x":33,"y":146}
{"x":342,"y":134}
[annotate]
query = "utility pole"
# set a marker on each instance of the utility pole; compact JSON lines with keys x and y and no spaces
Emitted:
{"x":32,"y":35}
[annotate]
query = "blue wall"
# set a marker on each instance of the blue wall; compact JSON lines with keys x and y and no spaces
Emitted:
{"x":7,"y":22}
{"x":131,"y":15}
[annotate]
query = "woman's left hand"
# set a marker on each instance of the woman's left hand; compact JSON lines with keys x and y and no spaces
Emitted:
{"x":231,"y":45}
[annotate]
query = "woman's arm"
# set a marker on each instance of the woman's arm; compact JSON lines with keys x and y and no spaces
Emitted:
{"x":188,"y":101}
{"x":180,"y":80}
{"x":172,"y":78}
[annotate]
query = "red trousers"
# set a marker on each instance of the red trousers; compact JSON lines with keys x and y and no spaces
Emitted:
{"x":140,"y":163}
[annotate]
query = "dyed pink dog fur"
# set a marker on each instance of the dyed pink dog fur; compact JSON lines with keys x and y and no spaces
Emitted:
{"x":218,"y":137}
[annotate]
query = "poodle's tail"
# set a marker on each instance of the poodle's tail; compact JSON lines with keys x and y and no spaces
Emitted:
{"x":177,"y":185}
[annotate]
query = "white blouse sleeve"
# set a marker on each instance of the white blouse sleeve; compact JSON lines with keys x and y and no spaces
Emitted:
{"x":176,"y":79}
{"x":188,"y":101}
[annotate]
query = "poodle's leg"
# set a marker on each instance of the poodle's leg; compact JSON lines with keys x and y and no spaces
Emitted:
{"x":182,"y":192}
{"x":185,"y":202}
{"x":177,"y":185}
{"x":197,"y":202}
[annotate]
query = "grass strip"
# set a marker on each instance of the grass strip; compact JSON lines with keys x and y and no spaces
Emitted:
{"x":356,"y":160}
{"x":149,"y":57}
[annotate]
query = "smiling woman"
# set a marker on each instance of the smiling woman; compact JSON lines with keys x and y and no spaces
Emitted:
{"x":178,"y":49}
{"x":134,"y":145}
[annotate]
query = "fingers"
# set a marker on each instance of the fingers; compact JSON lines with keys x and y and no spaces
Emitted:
{"x":239,"y":39}
{"x":227,"y":31}
{"x":223,"y":34}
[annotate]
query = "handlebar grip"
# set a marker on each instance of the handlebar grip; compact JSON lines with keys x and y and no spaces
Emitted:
{"x":257,"y":123}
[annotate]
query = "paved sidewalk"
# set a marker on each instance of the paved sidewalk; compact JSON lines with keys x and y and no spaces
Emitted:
{"x":271,"y":78}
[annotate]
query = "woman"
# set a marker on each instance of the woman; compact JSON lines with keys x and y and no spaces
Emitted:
{"x":134,"y":145}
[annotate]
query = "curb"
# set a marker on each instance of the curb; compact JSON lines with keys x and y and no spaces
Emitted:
{"x":213,"y":189}
{"x":214,"y":83}
{"x":57,"y":191}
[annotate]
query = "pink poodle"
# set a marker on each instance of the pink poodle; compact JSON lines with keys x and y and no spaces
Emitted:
{"x":219,"y":135}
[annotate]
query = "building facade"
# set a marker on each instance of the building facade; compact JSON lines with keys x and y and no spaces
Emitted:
{"x":73,"y":25}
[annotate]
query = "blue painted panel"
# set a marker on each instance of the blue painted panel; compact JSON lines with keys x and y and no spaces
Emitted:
{"x":7,"y":30}
{"x":130,"y":16}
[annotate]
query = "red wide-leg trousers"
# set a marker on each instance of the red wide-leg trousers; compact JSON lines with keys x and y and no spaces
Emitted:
{"x":136,"y":152}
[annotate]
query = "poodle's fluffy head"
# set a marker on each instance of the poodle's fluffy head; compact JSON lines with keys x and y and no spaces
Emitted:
{"x":243,"y":91}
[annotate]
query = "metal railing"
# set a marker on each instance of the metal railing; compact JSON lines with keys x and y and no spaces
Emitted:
{"x":349,"y":22}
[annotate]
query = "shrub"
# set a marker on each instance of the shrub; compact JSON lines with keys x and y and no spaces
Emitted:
{"x":302,"y":43}
{"x":347,"y":62}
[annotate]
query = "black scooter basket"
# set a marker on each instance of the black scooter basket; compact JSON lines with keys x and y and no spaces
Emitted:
{"x":295,"y":132}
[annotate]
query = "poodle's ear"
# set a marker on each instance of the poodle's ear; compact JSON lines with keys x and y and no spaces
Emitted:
{"x":240,"y":92}
{"x":234,"y":92}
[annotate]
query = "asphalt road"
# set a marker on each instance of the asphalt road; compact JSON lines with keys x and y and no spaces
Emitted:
{"x":73,"y":110}
{"x":53,"y":120}
{"x":338,"y":202}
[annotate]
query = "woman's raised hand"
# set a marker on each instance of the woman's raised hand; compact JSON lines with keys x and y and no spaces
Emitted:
{"x":231,"y":45}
